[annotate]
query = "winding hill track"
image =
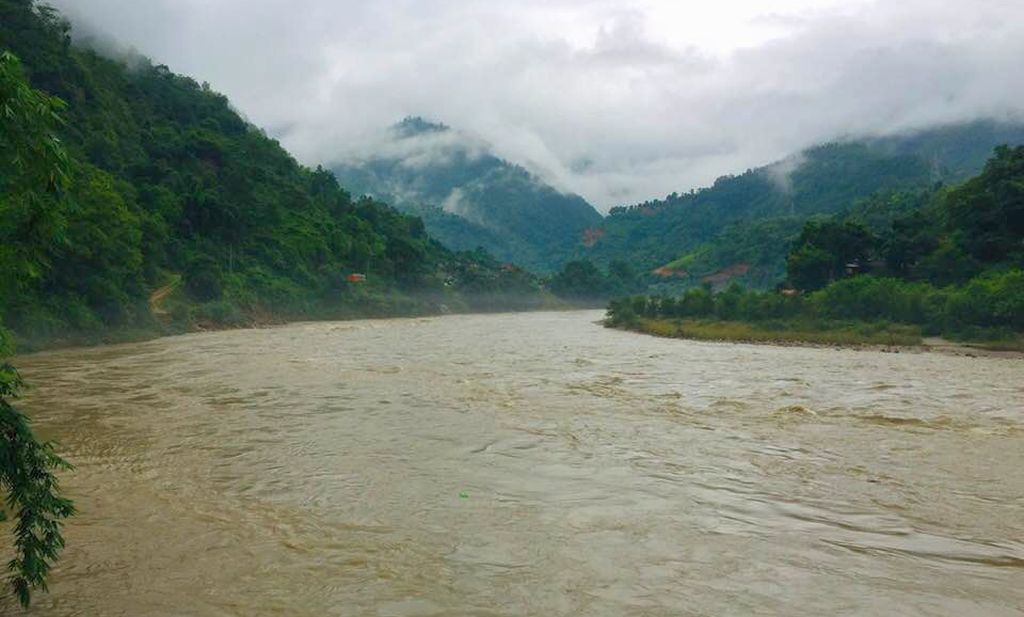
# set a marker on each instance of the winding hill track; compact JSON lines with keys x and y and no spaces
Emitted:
{"x":160,"y":294}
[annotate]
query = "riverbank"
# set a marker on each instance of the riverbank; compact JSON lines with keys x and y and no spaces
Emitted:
{"x":174,"y":316}
{"x":882,"y":336}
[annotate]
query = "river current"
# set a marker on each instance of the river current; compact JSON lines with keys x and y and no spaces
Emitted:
{"x":530,"y":464}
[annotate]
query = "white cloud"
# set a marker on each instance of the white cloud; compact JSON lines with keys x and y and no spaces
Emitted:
{"x":617,"y":100}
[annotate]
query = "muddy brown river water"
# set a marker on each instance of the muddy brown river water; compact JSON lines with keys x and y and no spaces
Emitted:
{"x":530,"y":464}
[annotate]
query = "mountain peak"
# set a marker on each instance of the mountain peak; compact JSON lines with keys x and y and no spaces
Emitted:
{"x":414,"y":126}
{"x":468,"y":197}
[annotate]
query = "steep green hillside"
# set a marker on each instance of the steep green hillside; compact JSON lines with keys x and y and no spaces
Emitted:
{"x":178,"y":212}
{"x":742,"y":226}
{"x":468,"y":197}
{"x":954,"y":265}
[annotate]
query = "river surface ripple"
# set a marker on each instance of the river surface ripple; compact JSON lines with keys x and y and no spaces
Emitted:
{"x":530,"y":464}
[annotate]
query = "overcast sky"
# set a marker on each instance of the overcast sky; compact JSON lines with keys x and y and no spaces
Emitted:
{"x":619,"y":101}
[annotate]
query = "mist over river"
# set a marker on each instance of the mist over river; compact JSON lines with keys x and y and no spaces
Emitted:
{"x":530,"y":464}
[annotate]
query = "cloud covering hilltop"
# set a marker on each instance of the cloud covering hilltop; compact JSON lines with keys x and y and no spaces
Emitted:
{"x":617,"y":101}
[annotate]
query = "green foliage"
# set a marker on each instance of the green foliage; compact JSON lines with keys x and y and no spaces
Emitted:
{"x":992,"y":300}
{"x":31,"y":217}
{"x":27,"y":479}
{"x":27,"y":134}
{"x":484,"y":284}
{"x":581,"y":280}
{"x":810,"y":267}
{"x":987,"y":212}
{"x":33,"y":172}
{"x":752,"y":218}
{"x":950,"y":236}
{"x":169,"y":181}
{"x":871,"y":298}
{"x":878,"y":211}
{"x":953,"y":265}
{"x":470,"y":199}
{"x":734,"y":303}
{"x":909,"y":239}
{"x":6,"y":342}
{"x":825,"y":250}
{"x":988,"y":306}
{"x":947,"y":264}
{"x":781,"y":331}
{"x":759,"y":243}
{"x":204,"y":278}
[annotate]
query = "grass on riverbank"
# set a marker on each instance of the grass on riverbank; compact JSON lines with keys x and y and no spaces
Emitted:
{"x":991,"y":340}
{"x":779,"y":331}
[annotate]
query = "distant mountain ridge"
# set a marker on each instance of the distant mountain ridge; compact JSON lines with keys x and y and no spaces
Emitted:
{"x":468,"y":197}
{"x":750,"y":219}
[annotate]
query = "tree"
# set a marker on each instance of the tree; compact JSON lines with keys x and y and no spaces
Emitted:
{"x":809,"y":267}
{"x":623,"y":277}
{"x":909,"y":239}
{"x":988,"y":210}
{"x":26,"y":475}
{"x":823,"y":250}
{"x":580,"y":279}
{"x":35,"y":168}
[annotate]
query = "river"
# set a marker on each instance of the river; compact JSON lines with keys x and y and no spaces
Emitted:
{"x":530,"y":464}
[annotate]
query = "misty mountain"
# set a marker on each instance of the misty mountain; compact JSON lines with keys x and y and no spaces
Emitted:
{"x":741,"y":227}
{"x":468,"y":197}
{"x":174,"y":212}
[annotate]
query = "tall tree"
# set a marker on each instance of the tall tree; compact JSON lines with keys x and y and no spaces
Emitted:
{"x":824,"y":249}
{"x":33,"y":173}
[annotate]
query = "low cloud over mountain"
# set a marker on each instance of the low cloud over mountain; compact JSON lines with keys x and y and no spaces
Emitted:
{"x":617,"y":101}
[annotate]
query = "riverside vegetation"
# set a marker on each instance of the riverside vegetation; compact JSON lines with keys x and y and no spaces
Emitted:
{"x":36,"y":171}
{"x":741,"y":226}
{"x":171,"y":196}
{"x":952,"y":266}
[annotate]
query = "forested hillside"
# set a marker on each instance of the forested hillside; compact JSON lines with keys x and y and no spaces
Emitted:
{"x":470,"y":198}
{"x":741,"y":227}
{"x":952,"y":265}
{"x":177,"y":212}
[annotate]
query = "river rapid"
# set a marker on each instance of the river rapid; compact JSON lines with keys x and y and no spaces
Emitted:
{"x":530,"y":464}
